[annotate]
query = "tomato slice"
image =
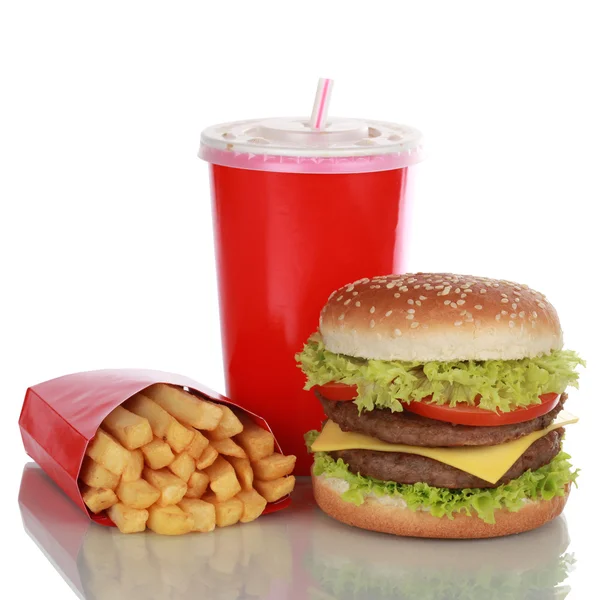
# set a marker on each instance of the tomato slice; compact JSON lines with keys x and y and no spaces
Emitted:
{"x":337,"y":391}
{"x":463,"y":414}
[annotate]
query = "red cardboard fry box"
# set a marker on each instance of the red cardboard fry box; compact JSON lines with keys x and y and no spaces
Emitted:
{"x":61,"y":416}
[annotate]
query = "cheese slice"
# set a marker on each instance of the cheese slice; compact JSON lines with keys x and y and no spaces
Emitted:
{"x":486,"y":462}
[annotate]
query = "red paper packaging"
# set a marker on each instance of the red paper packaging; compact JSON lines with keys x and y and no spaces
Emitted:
{"x":61,"y":416}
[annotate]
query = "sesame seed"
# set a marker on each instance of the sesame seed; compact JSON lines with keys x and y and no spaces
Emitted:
{"x":341,"y":317}
{"x":388,"y":313}
{"x":457,"y":291}
{"x":439,"y":287}
{"x":511,"y":323}
{"x":403,"y":289}
{"x":468,"y":290}
{"x":371,"y":323}
{"x":396,"y":295}
{"x":355,"y":293}
{"x":416,"y":287}
{"x":347,"y":302}
{"x":522,"y":314}
{"x":422,"y":297}
{"x":411,"y":311}
{"x":517,"y":299}
{"x":446,"y":290}
{"x":357,"y":303}
{"x":389,"y":286}
{"x":483,"y":291}
{"x":463,"y":313}
{"x":397,"y":332}
{"x":513,"y":315}
{"x":340,"y":298}
{"x":460,"y":302}
{"x":541,"y":305}
{"x":463,"y":295}
{"x":497,"y":317}
{"x":457,"y":323}
{"x":418,"y":302}
{"x":411,"y":280}
{"x":446,"y":302}
{"x":503,"y":312}
{"x":496,"y":285}
{"x":372,"y":309}
{"x":410,"y":301}
{"x":514,"y":306}
{"x":504,"y":295}
{"x":478,"y":307}
{"x":377,"y":287}
{"x":410,"y":317}
{"x":534,"y":315}
{"x":504,"y":300}
{"x":414,"y":325}
{"x":350,"y":287}
{"x":453,"y":304}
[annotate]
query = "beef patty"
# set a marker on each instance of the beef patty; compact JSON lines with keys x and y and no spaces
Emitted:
{"x":411,"y":468}
{"x":413,"y":430}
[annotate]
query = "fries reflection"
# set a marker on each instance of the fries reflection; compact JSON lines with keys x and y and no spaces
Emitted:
{"x":252,"y":560}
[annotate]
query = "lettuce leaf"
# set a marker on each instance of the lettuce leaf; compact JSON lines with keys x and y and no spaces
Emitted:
{"x":502,"y":385}
{"x":544,"y":483}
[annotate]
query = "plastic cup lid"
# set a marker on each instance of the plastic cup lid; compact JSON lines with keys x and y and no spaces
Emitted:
{"x":292,"y":145}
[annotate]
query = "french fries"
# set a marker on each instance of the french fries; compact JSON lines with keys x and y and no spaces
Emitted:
{"x":128,"y":428}
{"x":95,"y":475}
{"x":174,"y":463}
{"x":197,"y":485}
{"x":202,"y":512}
{"x":274,"y":490}
{"x":243,"y":470}
{"x":198,"y":444}
{"x":127,"y":519}
{"x":208,"y":458}
{"x":135,"y":466}
{"x":223,"y":480}
{"x":228,"y":426}
{"x":185,"y":407}
{"x":158,"y":454}
{"x":183,"y":466}
{"x":106,"y":451}
{"x":273,"y":467}
{"x":228,"y":447}
{"x":98,"y":499}
{"x":172,"y":489}
{"x":137,"y":494}
{"x":257,"y":442}
{"x":227,"y":512}
{"x":254,"y":504}
{"x":169,"y":520}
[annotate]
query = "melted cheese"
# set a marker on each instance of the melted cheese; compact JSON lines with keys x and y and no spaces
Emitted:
{"x":486,"y":462}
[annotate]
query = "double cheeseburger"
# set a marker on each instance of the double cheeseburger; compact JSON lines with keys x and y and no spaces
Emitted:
{"x":444,"y":399}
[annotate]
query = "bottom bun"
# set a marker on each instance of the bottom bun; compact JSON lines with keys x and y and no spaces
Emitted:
{"x":385,"y":518}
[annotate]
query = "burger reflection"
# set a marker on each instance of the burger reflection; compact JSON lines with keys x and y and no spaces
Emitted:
{"x":347,"y":563}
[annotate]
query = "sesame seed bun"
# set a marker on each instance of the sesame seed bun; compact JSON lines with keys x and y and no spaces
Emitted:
{"x":439,"y":317}
{"x":375,"y":516}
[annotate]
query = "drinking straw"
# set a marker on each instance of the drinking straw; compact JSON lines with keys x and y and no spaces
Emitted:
{"x":318,"y":118}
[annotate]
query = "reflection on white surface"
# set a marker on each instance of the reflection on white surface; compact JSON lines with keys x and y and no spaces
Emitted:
{"x":298,"y":554}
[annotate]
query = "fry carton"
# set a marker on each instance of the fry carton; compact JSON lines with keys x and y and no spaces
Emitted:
{"x":61,"y":416}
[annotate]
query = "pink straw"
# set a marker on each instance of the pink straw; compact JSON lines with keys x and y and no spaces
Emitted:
{"x":319,"y":114}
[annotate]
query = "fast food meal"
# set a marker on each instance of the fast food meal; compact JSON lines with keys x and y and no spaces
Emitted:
{"x":174,"y":463}
{"x":444,"y":396}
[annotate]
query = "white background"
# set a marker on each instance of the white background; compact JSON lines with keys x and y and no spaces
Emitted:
{"x":105,"y":226}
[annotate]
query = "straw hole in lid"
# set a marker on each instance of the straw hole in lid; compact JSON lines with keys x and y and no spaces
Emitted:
{"x":228,"y":136}
{"x":374,"y":132}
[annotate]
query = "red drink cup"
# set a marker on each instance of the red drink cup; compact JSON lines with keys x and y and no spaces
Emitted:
{"x":298,"y":213}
